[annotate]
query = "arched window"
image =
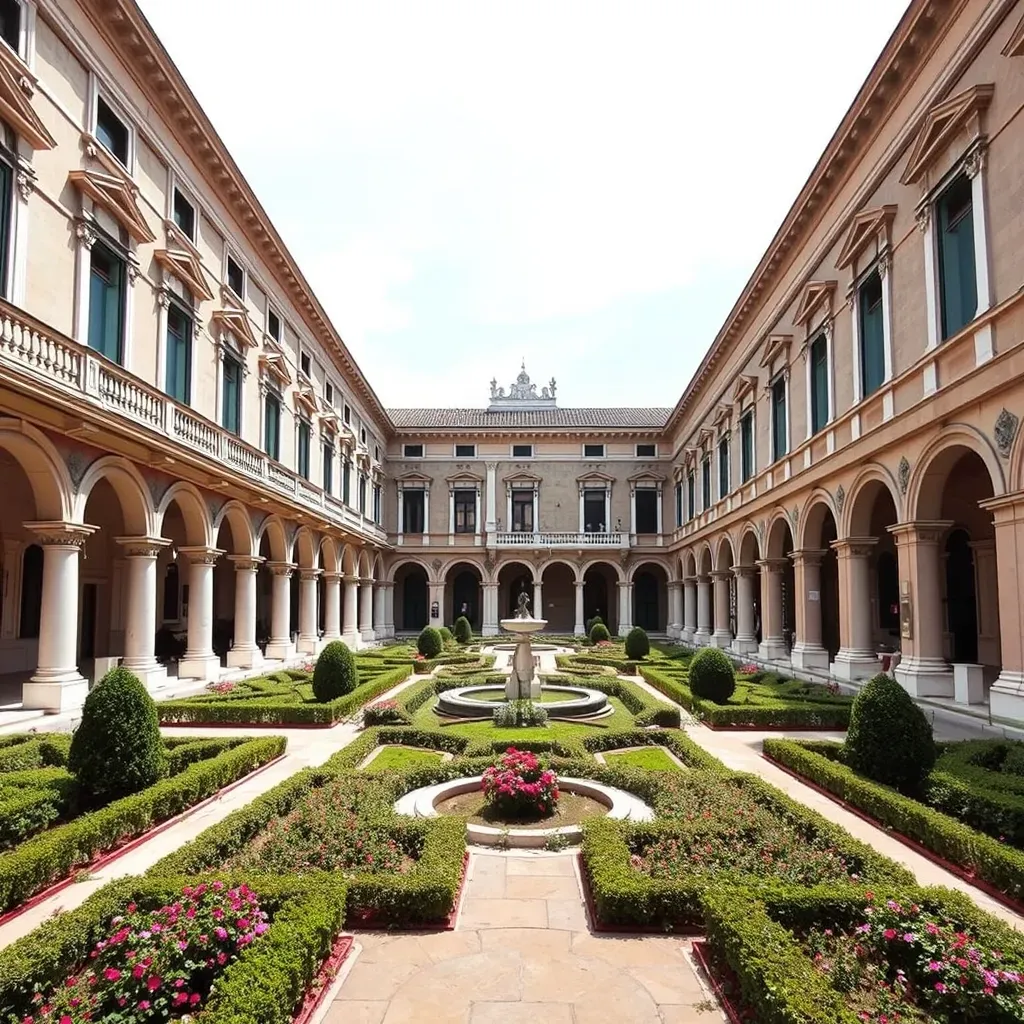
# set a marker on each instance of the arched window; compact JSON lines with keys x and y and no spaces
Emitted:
{"x":31,"y":592}
{"x":172,"y":608}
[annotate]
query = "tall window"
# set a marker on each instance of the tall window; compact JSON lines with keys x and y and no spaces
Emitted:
{"x":272,"y":425}
{"x":236,"y":277}
{"x":779,"y":445}
{"x":723,"y":466}
{"x":958,"y":283}
{"x":647,"y":510}
{"x":872,"y":334}
{"x":231,"y":387}
{"x":302,"y":454}
{"x":522,"y":511}
{"x":178,"y":382}
{"x":594,"y":504}
{"x":346,"y":482}
{"x":6,"y":214}
{"x":362,"y":495}
{"x":705,"y":483}
{"x":412,"y":510}
{"x":106,"y":302}
{"x":328,"y":457}
{"x":747,"y":445}
{"x":184,"y":215}
{"x":111,"y":131}
{"x":376,"y":504}
{"x":10,"y":23}
{"x":679,"y":503}
{"x":819,"y":383}
{"x":691,"y":495}
{"x":465,"y":511}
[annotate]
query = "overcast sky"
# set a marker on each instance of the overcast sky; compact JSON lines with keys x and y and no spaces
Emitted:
{"x":585,"y":185}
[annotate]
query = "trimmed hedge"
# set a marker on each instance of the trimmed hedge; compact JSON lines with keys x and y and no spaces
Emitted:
{"x":638,"y":646}
{"x":429,"y":642}
{"x":986,"y":858}
{"x":599,"y":632}
{"x":54,"y":854}
{"x":712,"y":676}
{"x":334,"y":674}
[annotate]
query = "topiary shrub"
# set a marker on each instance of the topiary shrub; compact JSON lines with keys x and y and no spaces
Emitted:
{"x":463,"y":630}
{"x":335,"y":672}
{"x":116,"y":749}
{"x":447,"y":637}
{"x":428,"y":643}
{"x":593,"y":622}
{"x":889,"y":738}
{"x":599,"y":632}
{"x":637,"y":644}
{"x":712,"y":676}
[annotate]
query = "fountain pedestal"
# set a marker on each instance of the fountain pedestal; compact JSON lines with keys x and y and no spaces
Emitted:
{"x":523,"y":683}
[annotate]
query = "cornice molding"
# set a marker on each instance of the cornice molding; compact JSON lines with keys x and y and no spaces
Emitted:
{"x":1015,"y":44}
{"x":237,"y":322}
{"x":868,"y":224}
{"x":113,"y":194}
{"x":816,"y":295}
{"x":185,"y":267}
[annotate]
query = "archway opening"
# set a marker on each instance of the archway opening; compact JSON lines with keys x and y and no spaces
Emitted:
{"x":103,"y":575}
{"x":750,"y":555}
{"x":600,"y":595}
{"x":558,"y":598}
{"x":650,"y":598}
{"x":780,"y":549}
{"x":463,"y":595}
{"x":819,"y":535}
{"x":411,"y":592}
{"x":874,"y":511}
{"x":514,"y":579}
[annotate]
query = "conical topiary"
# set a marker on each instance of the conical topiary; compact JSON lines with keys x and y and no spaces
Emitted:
{"x":335,"y":672}
{"x":429,"y":643}
{"x":638,"y":646}
{"x":117,"y":749}
{"x":462,"y":630}
{"x":599,"y":632}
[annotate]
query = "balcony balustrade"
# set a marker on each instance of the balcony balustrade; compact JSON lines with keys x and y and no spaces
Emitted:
{"x":560,"y":540}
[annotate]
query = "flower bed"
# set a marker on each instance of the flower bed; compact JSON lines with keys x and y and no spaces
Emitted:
{"x":199,"y":770}
{"x":517,"y":787}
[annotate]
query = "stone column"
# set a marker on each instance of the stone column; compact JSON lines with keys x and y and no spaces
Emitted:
{"x":986,"y":587}
{"x":538,"y":599}
{"x":808,"y":652}
{"x":702,"y":637}
{"x":366,"y":610}
{"x":625,"y":608}
{"x":332,"y":606}
{"x":746,"y":637}
{"x":57,"y":684}
{"x":689,"y":609}
{"x":200,"y":662}
{"x":309,"y":634}
{"x":580,"y":626}
{"x":721,"y":637}
{"x":388,"y":590}
{"x":350,"y":628}
{"x":280,"y":646}
{"x":490,"y":616}
{"x":857,"y":658}
{"x":379,"y":627}
{"x":923,"y":670}
{"x":773,"y":642}
{"x":140,"y":619}
{"x":675,"y":608}
{"x":244,"y":653}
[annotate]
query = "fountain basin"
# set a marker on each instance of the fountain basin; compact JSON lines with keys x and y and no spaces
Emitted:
{"x":523,"y":625}
{"x":472,"y":702}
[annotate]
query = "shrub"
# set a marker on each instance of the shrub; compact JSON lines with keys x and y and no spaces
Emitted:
{"x":599,"y":632}
{"x":518,"y":787}
{"x":428,"y":643}
{"x":593,"y":622}
{"x":335,"y":674}
{"x":384,"y":712}
{"x":513,"y":714}
{"x":889,"y":739}
{"x":117,"y":749}
{"x":712,"y":676}
{"x":463,"y":630}
{"x":637,"y":644}
{"x":447,"y":636}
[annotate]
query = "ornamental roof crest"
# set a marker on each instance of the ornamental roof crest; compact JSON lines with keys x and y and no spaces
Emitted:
{"x":522,"y":394}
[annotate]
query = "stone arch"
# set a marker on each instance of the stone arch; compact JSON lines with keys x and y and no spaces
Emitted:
{"x":601,"y":577}
{"x":350,"y":560}
{"x":705,"y":561}
{"x":527,"y":567}
{"x":306,"y":548}
{"x":865,"y":484}
{"x":689,"y":564}
{"x":366,"y":564}
{"x":461,"y":589}
{"x":401,"y":562}
{"x":749,"y":550}
{"x":775,"y":533}
{"x":410,"y":578}
{"x":237,"y":516}
{"x":818,"y":502}
{"x":574,"y":568}
{"x":46,"y":471}
{"x":378,"y":567}
{"x":186,"y":496}
{"x":330,"y":554}
{"x":725,"y":557}
{"x":650,"y":595}
{"x":277,"y":538}
{"x":130,"y":488}
{"x":928,"y":477}
{"x":662,"y":564}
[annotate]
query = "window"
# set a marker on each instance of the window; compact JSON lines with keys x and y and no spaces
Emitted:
{"x":302,"y":452}
{"x":348,"y":414}
{"x":106,"y":302}
{"x":329,"y":393}
{"x":10,"y":23}
{"x":705,"y":483}
{"x":376,"y":503}
{"x":872,"y":334}
{"x":304,"y":366}
{"x":646,"y":451}
{"x":31,"y":592}
{"x":184,"y":215}
{"x":594,"y":503}
{"x":273,"y":324}
{"x":6,"y":209}
{"x":691,"y":495}
{"x":231,"y":387}
{"x":346,"y":482}
{"x":413,"y":503}
{"x":412,"y":451}
{"x":679,"y":503}
{"x":362,"y":434}
{"x":328,"y":456}
{"x":465,"y":511}
{"x":362,"y":495}
{"x":522,"y":451}
{"x":178,"y":382}
{"x":236,"y":277}
{"x":723,"y":466}
{"x":272,"y":426}
{"x":376,"y":453}
{"x":819,"y":383}
{"x":522,"y":510}
{"x":111,"y":131}
{"x":465,"y":451}
{"x":646,"y":510}
{"x":747,"y":445}
{"x":779,"y":445}
{"x":593,"y":451}
{"x":958,"y":283}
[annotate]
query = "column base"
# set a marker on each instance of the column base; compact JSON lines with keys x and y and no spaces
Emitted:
{"x":854,"y":665}
{"x":773,"y":650}
{"x":351,"y":641}
{"x":721,"y":639}
{"x":307,"y":644}
{"x":64,"y":693}
{"x":280,"y":650}
{"x":1006,"y":698}
{"x":624,"y":629}
{"x":367,"y":636}
{"x":687,"y":636}
{"x":702,"y":638}
{"x":925,"y":677}
{"x":153,"y":676}
{"x":329,"y":638}
{"x":245,"y":657}
{"x":578,"y":629}
{"x":809,"y":657}
{"x":489,"y":630}
{"x":205,"y":667}
{"x":744,"y":645}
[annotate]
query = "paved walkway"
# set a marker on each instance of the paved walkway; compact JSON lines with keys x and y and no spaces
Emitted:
{"x":521,"y":953}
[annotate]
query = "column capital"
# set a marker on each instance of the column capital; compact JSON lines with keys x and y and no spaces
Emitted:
{"x":579,"y":583}
{"x":282,"y":568}
{"x":854,"y":547}
{"x":61,"y":534}
{"x":350,"y":579}
{"x":309,"y":574}
{"x":142,"y":547}
{"x":920,"y":531}
{"x":721,"y":574}
{"x":385,"y":585}
{"x":773,"y":564}
{"x":488,"y":586}
{"x":701,"y":578}
{"x":333,"y":577}
{"x":742,"y":571}
{"x":246,"y":563}
{"x":807,"y":556}
{"x":690,"y":581}
{"x":625,"y":583}
{"x":199,"y":554}
{"x":363,"y":580}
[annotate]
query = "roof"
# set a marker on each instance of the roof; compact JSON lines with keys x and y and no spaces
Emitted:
{"x":459,"y":419}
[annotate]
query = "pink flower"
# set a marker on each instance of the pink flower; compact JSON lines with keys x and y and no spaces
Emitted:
{"x":153,"y":982}
{"x":940,"y":987}
{"x":111,"y":973}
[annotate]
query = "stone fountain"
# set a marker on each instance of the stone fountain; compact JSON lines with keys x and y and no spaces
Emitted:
{"x":523,"y":683}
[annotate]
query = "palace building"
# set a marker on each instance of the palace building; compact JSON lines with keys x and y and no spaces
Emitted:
{"x":197,"y":474}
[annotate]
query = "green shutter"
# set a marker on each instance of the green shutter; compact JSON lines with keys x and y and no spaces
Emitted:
{"x":231,"y":419}
{"x":819,"y":384}
{"x":957,"y":272}
{"x":872,"y":335}
{"x":179,"y":355}
{"x":779,"y":418}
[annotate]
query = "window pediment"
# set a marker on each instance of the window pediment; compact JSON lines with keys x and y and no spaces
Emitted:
{"x":776,"y":348}
{"x":15,"y":105}
{"x":1015,"y":44}
{"x":722,"y":418}
{"x":646,"y":476}
{"x":413,"y":480}
{"x":272,"y":365}
{"x":117,"y":197}
{"x":817,"y":297}
{"x":185,"y":267}
{"x":237,"y":322}
{"x":469,"y":479}
{"x":305,"y":399}
{"x":690,"y":456}
{"x":943,"y":123}
{"x":595,"y":479}
{"x":746,"y":384}
{"x":868,"y":224}
{"x":521,"y":478}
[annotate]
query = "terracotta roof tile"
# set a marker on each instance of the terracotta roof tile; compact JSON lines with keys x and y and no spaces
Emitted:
{"x":614,"y":418}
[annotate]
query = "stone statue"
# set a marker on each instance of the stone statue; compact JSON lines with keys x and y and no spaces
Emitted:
{"x":523,"y":606}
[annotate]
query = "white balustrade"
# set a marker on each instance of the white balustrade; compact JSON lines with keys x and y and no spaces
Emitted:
{"x":123,"y":394}
{"x":38,"y":351}
{"x":244,"y":458}
{"x":194,"y":432}
{"x":561,"y":540}
{"x":280,"y":477}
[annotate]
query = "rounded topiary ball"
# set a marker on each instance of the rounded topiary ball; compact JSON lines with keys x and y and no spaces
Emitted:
{"x":429,"y":643}
{"x":447,"y":636}
{"x":889,"y":738}
{"x":712,"y":676}
{"x":463,"y":630}
{"x":592,"y":622}
{"x":638,"y":646}
{"x":599,"y":632}
{"x":117,"y":749}
{"x":335,"y":672}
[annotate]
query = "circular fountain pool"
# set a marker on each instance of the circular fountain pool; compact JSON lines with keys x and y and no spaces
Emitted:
{"x":558,"y":702}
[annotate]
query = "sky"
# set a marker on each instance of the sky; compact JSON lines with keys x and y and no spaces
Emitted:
{"x":585,"y":186}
